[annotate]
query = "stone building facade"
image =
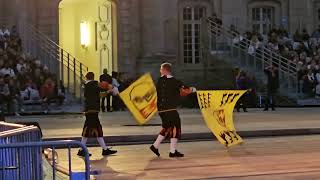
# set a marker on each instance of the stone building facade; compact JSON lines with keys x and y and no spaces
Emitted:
{"x":151,"y":30}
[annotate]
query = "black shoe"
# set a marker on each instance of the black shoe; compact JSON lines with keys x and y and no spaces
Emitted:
{"x":82,"y":153}
{"x":273,"y":109}
{"x":176,"y":154}
{"x":155,"y":150}
{"x":266,"y":109}
{"x":107,"y":152}
{"x":245,"y":110}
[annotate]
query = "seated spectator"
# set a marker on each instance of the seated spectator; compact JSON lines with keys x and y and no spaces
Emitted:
{"x":47,"y":90}
{"x":21,"y":64}
{"x":7,"y":70}
{"x":15,"y":97}
{"x":30,"y":93}
{"x":60,"y":92}
{"x":4,"y":94}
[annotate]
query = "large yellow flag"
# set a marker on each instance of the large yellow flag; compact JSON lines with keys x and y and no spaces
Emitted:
{"x":217,"y":109}
{"x":141,"y":99}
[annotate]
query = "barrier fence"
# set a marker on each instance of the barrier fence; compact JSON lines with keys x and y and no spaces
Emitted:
{"x":21,"y":154}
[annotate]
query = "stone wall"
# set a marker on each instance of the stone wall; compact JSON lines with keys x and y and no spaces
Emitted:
{"x":150,"y":28}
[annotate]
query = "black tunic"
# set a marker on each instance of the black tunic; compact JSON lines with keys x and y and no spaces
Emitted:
{"x":92,"y":96}
{"x":168,"y":91}
{"x":92,"y":127}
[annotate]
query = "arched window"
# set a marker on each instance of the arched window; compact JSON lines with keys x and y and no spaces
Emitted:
{"x":191,"y":23}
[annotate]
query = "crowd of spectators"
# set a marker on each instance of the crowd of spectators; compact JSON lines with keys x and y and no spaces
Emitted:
{"x":23,"y":79}
{"x":301,"y":49}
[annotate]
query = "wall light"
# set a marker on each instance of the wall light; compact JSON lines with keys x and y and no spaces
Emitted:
{"x":85,"y":34}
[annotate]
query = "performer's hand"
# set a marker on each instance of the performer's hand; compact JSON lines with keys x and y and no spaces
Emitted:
{"x":193,"y":89}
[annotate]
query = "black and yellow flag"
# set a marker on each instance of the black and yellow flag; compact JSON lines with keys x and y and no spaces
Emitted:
{"x":141,"y":99}
{"x":217,"y":109}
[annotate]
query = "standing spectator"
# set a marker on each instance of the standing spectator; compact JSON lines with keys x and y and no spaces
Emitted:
{"x":242,"y":81}
{"x":105,"y":77}
{"x":318,"y":84}
{"x":115,"y":95}
{"x":272,"y":86}
{"x":309,"y":83}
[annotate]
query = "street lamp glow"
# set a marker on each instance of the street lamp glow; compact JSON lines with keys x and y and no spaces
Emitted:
{"x":84,"y":33}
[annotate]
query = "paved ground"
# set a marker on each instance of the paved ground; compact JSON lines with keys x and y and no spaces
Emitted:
{"x":290,"y":158}
{"x":122,"y":123}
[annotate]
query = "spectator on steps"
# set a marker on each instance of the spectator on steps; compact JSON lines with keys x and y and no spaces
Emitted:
{"x":243,"y":83}
{"x":47,"y":93}
{"x":4,"y":94}
{"x":60,"y":92}
{"x":105,"y":77}
{"x":115,"y":91}
{"x":272,"y":86}
{"x":7,"y":70}
{"x":15,"y":97}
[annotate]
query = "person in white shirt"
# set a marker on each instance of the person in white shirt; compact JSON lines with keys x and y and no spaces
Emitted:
{"x":1,"y":33}
{"x":20,"y":65}
{"x":6,"y":70}
{"x":6,"y":32}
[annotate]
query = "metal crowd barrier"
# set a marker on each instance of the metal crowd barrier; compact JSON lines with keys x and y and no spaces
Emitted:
{"x":8,"y":126}
{"x":21,"y":153}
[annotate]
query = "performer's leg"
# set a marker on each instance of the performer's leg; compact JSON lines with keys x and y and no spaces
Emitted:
{"x":158,"y":141}
{"x":81,"y":152}
{"x":175,"y":135}
{"x":173,"y":145}
{"x":105,"y":150}
{"x":102,"y":143}
{"x":84,"y":140}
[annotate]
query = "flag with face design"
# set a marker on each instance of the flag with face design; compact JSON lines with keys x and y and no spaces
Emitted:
{"x":217,"y":110}
{"x":141,"y":99}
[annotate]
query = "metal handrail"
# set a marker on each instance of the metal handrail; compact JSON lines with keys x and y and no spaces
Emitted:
{"x":51,"y":42}
{"x":2,"y":123}
{"x":17,"y":131}
{"x":54,"y":145}
{"x":41,"y":37}
{"x":219,"y":28}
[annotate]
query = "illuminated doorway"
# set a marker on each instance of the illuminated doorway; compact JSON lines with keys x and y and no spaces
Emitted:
{"x":87,"y":30}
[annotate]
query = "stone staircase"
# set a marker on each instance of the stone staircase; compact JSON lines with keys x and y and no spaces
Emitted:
{"x":219,"y":43}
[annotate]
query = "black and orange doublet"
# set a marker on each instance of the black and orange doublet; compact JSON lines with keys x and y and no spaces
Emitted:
{"x":168,"y":91}
{"x":92,"y":127}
